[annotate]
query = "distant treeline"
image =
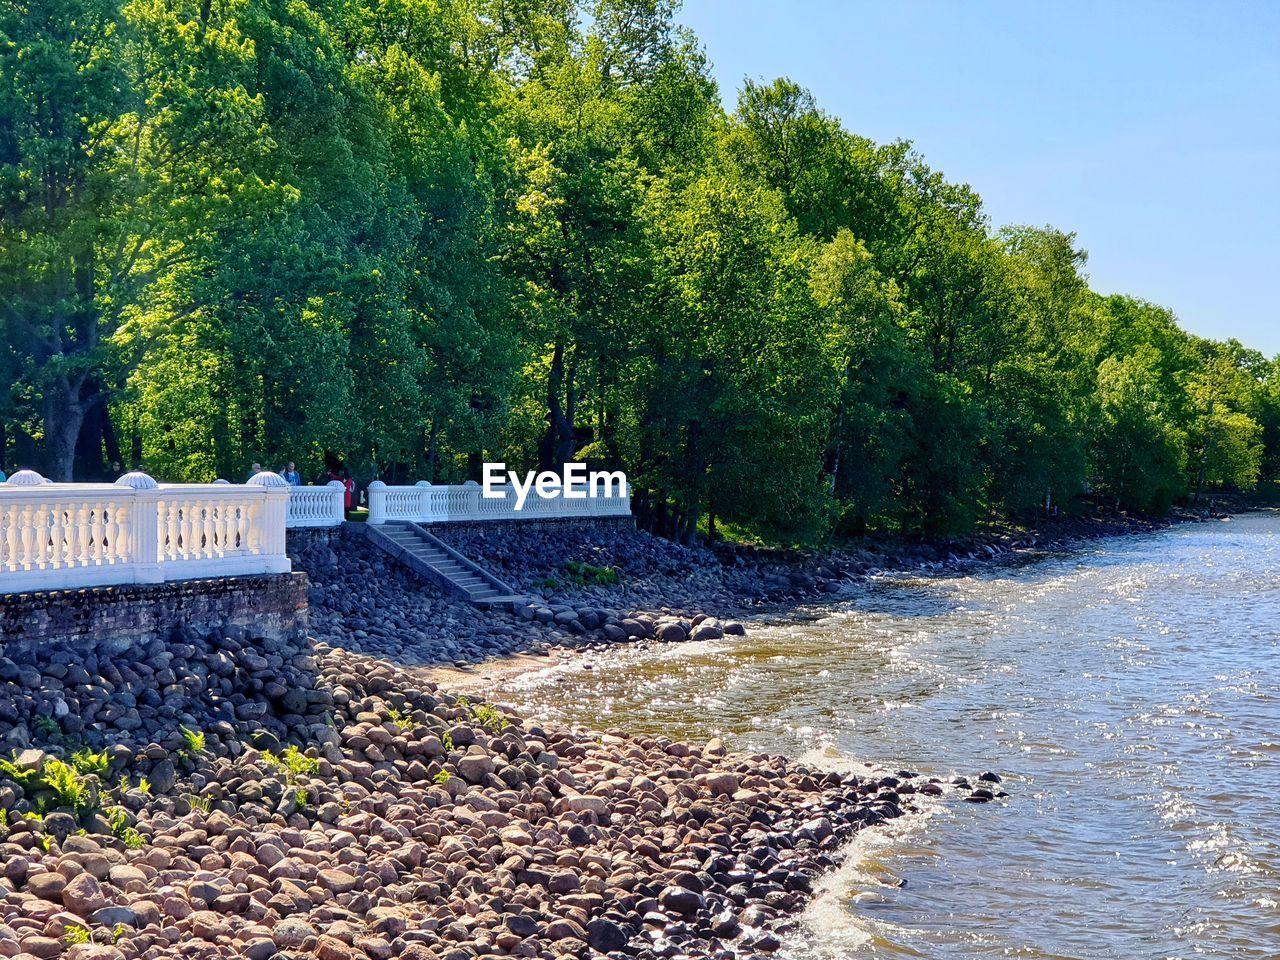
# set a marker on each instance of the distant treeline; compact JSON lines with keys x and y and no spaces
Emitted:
{"x":422,"y":234}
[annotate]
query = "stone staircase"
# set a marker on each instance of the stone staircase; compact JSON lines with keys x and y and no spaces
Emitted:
{"x":433,"y":559}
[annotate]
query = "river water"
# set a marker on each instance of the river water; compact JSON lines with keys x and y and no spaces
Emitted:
{"x":1128,"y":692}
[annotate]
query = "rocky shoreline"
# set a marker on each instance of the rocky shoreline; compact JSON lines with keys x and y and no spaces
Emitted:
{"x":593,"y":586}
{"x":284,"y":799}
{"x":230,"y":795}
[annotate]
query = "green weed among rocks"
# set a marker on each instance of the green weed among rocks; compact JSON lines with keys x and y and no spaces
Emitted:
{"x":484,"y":714}
{"x":47,"y":727}
{"x":586,"y":574}
{"x":25,"y":778}
{"x":575,"y":573}
{"x":69,"y":788}
{"x":118,"y":820}
{"x":60,"y":778}
{"x":194,"y":740}
{"x":293,"y":763}
{"x":490,"y":717}
{"x":85,"y":761}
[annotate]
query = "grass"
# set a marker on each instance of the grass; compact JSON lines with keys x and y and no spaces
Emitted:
{"x":74,"y":934}
{"x":197,"y":802}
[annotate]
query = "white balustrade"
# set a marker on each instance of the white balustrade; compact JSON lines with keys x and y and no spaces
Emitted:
{"x":317,"y":506}
{"x":428,"y":503}
{"x":61,"y":535}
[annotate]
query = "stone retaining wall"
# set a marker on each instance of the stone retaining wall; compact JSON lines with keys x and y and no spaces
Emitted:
{"x":117,"y":618}
{"x":538,"y":523}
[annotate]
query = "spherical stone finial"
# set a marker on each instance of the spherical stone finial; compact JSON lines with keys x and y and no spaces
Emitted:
{"x":26,"y":478}
{"x":137,"y":480}
{"x":471,"y":483}
{"x":376,"y":485}
{"x":225,"y":483}
{"x":423,"y":483}
{"x":340,"y":485}
{"x":267,"y":479}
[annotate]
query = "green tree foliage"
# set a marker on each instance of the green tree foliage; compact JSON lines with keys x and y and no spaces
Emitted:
{"x":1139,"y":455}
{"x":417,"y":234}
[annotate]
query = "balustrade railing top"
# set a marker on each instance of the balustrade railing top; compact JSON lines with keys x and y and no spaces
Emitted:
{"x":62,"y":535}
{"x":428,"y":503}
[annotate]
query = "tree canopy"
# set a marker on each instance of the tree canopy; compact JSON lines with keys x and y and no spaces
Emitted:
{"x":414,"y":235}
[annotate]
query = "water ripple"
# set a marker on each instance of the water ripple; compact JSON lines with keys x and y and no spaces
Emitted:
{"x":1131,"y":693}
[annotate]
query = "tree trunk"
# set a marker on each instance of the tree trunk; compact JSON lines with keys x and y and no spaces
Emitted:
{"x":63,"y":418}
{"x":431,"y":454}
{"x":556,"y":448}
{"x":109,"y":438}
{"x":88,"y":462}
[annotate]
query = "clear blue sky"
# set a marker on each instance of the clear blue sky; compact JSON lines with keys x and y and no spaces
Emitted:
{"x":1150,"y":129}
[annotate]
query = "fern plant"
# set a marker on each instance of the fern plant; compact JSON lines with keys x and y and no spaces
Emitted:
{"x":85,"y":761}
{"x":194,"y":740}
{"x":23,"y":778}
{"x":67,"y":786}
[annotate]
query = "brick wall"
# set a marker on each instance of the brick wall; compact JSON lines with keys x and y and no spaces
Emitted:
{"x":120,"y":617}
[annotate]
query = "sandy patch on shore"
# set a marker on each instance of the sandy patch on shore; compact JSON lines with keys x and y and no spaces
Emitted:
{"x":490,"y":673}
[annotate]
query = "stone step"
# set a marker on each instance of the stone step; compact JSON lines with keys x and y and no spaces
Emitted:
{"x":480,"y":587}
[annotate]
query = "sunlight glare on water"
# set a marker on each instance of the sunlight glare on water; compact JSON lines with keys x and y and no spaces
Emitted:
{"x":1128,"y":692}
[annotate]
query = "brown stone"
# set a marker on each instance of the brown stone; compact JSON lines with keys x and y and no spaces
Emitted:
{"x":83,"y":895}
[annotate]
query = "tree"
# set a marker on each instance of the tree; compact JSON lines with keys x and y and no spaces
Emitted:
{"x":1139,"y":453}
{"x":61,"y":179}
{"x":735,"y":399}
